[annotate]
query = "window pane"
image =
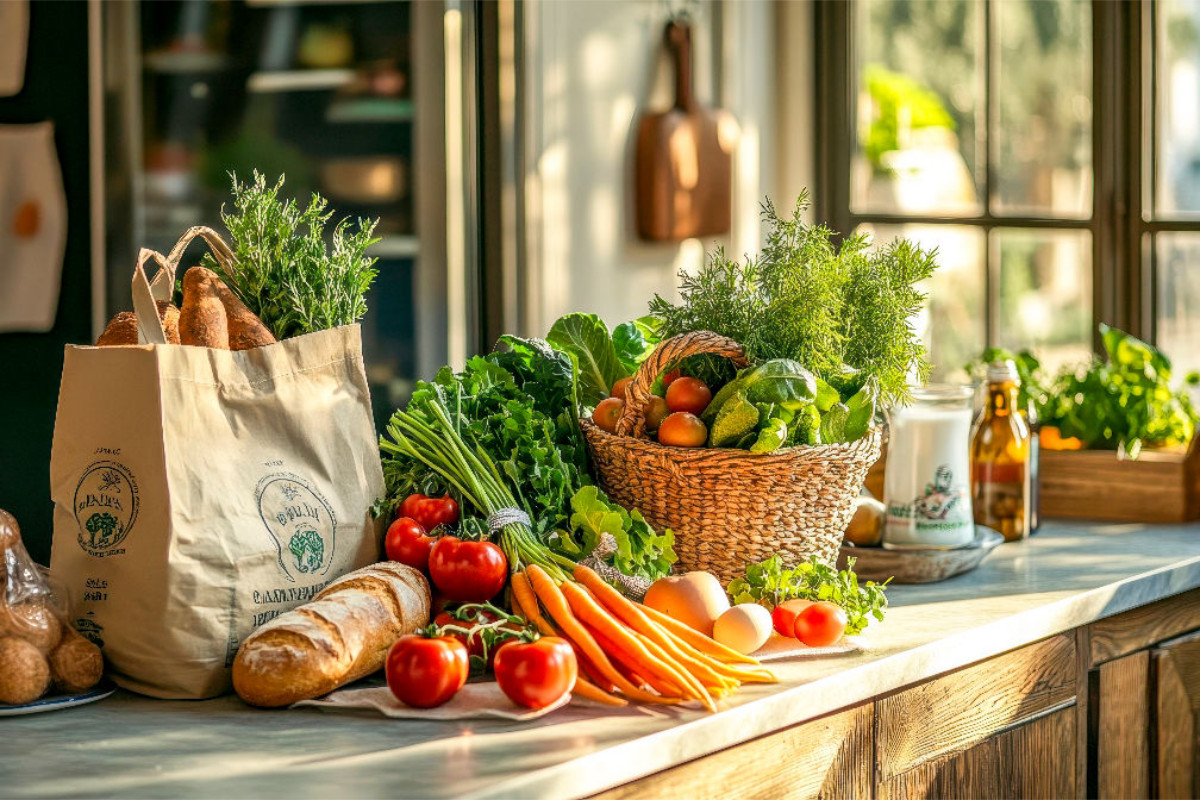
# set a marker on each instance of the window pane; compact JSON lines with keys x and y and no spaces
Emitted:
{"x":953,"y":323}
{"x":1042,"y":130}
{"x":1045,"y":293}
{"x":1177,"y":164}
{"x":920,"y":93}
{"x":1178,"y":299}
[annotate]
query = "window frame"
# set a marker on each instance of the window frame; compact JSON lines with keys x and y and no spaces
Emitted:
{"x":1122,"y":223}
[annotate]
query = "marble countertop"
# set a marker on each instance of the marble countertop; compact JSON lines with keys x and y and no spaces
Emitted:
{"x":1068,"y":575}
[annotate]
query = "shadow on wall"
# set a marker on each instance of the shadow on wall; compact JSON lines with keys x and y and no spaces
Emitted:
{"x":56,"y":89}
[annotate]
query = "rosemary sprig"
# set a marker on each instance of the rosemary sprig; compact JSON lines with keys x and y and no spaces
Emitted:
{"x":285,"y":271}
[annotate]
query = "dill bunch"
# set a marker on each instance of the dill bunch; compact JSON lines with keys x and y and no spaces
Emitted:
{"x":807,"y":299}
{"x":287,"y":270}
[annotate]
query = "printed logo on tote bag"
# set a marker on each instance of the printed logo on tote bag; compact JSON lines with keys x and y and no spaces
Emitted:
{"x":106,"y":507}
{"x":300,"y":522}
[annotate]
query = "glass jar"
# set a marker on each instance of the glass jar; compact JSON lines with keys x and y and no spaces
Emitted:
{"x":927,"y":480}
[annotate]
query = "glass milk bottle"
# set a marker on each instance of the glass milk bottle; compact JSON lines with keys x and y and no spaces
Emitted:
{"x":1001,"y":446}
{"x":927,"y":480}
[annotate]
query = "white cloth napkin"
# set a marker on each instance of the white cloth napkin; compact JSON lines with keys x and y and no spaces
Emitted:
{"x":473,"y":701}
{"x":14,"y":40}
{"x":779,"y":647}
{"x":33,"y":227}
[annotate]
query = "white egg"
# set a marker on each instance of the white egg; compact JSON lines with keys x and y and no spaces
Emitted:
{"x":744,"y":628}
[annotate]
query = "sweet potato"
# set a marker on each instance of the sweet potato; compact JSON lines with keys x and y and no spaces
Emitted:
{"x":202,"y":320}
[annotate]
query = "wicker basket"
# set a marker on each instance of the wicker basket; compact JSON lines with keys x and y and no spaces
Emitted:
{"x":729,"y":507}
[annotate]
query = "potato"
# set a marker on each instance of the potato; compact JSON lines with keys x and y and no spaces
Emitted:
{"x":744,"y":627}
{"x":695,"y":599}
{"x":866,"y":527}
{"x":24,"y":671}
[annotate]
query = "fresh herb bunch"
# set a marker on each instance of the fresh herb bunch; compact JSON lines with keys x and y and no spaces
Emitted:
{"x":836,"y":310}
{"x":769,"y":584}
{"x":285,"y":271}
{"x":1121,"y":402}
{"x":1034,"y":390}
{"x":518,"y":406}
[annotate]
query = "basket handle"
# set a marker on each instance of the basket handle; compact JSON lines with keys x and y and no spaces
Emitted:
{"x":668,"y":352}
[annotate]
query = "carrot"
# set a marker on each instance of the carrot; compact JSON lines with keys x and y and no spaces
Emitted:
{"x":696,"y":639}
{"x":560,"y":612}
{"x":629,"y":665}
{"x":632,"y":615}
{"x":528,"y":605}
{"x":589,"y":611}
{"x":585,"y":689}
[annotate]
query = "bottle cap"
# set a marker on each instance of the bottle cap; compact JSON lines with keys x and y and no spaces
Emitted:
{"x":1003,"y":371}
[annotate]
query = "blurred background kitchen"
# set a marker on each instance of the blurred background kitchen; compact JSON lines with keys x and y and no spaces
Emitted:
{"x":1049,"y":148}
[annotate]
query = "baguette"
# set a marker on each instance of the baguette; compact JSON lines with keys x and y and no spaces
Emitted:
{"x":337,"y":638}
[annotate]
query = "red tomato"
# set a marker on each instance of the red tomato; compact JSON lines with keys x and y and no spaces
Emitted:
{"x":821,"y":624}
{"x":784,"y":616}
{"x":536,"y":674}
{"x":474,"y":644}
{"x":407,"y":542}
{"x":688,"y":394}
{"x":607,"y":412}
{"x":618,"y":389}
{"x":670,"y":378}
{"x":682,"y":429}
{"x":656,"y":412}
{"x":430,"y":511}
{"x":426,"y":672}
{"x":472,"y":572}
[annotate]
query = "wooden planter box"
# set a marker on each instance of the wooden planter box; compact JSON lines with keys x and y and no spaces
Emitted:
{"x":1160,"y":486}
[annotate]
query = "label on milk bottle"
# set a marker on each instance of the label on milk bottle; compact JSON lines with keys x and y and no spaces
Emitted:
{"x":940,"y":514}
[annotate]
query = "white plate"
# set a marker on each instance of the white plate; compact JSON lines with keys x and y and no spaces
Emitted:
{"x":55,"y":702}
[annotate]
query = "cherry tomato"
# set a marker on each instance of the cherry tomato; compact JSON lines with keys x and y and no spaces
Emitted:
{"x":407,"y":542}
{"x":784,"y":616}
{"x":670,"y":378}
{"x":607,"y":412}
{"x":474,"y":644}
{"x":821,"y":624}
{"x":682,"y":429}
{"x":619,"y":387}
{"x":536,"y":674}
{"x":688,"y":394}
{"x":472,"y":572}
{"x":426,"y":672}
{"x":656,"y":412}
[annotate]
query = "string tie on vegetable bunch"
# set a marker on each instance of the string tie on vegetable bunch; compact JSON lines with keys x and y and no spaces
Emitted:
{"x":631,"y":586}
{"x":506,"y":516}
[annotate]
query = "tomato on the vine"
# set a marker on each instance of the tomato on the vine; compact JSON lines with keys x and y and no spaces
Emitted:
{"x":430,"y":511}
{"x":424,"y":672}
{"x":536,"y":674}
{"x":408,"y":543}
{"x":474,"y":642}
{"x":469,"y":571}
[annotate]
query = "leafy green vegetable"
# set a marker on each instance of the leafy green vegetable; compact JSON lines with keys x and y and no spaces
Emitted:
{"x":586,"y":339}
{"x":640,"y":551}
{"x":860,"y":414}
{"x":284,"y":271}
{"x":1123,"y":402}
{"x":771,"y":437}
{"x":833,"y":424}
{"x":736,"y":418}
{"x":769,"y":584}
{"x":635,"y":341}
{"x":842,"y":312}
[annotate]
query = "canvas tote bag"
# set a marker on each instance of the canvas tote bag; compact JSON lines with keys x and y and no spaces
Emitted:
{"x":200,"y":492}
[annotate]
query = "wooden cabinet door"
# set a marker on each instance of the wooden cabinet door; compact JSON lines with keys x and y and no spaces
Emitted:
{"x":1005,"y":727}
{"x":1120,"y":721}
{"x":1176,"y":680}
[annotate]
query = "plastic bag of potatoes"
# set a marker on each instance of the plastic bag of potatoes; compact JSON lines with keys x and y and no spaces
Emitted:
{"x":38,"y":647}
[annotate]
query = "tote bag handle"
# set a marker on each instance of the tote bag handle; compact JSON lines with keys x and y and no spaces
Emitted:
{"x":147,"y":292}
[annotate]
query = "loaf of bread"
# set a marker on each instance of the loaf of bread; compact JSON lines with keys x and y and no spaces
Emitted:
{"x":24,"y":671}
{"x":123,"y":328}
{"x":33,"y":620}
{"x":202,"y":320}
{"x":337,"y":638}
{"x":246,"y":330}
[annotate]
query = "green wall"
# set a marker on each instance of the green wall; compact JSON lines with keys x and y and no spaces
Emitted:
{"x":56,"y":88}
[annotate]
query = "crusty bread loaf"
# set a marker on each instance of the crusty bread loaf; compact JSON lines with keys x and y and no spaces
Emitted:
{"x":246,"y":330}
{"x":202,"y":320}
{"x":24,"y":671}
{"x":123,"y":328}
{"x":75,"y":663}
{"x":339,"y":637}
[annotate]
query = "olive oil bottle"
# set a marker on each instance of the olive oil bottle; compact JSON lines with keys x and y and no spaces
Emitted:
{"x":1001,"y":448}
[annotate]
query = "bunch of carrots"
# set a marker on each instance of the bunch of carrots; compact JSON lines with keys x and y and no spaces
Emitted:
{"x":623,"y":647}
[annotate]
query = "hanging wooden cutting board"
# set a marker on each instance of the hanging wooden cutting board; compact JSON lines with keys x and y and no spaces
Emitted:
{"x":684,"y":159}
